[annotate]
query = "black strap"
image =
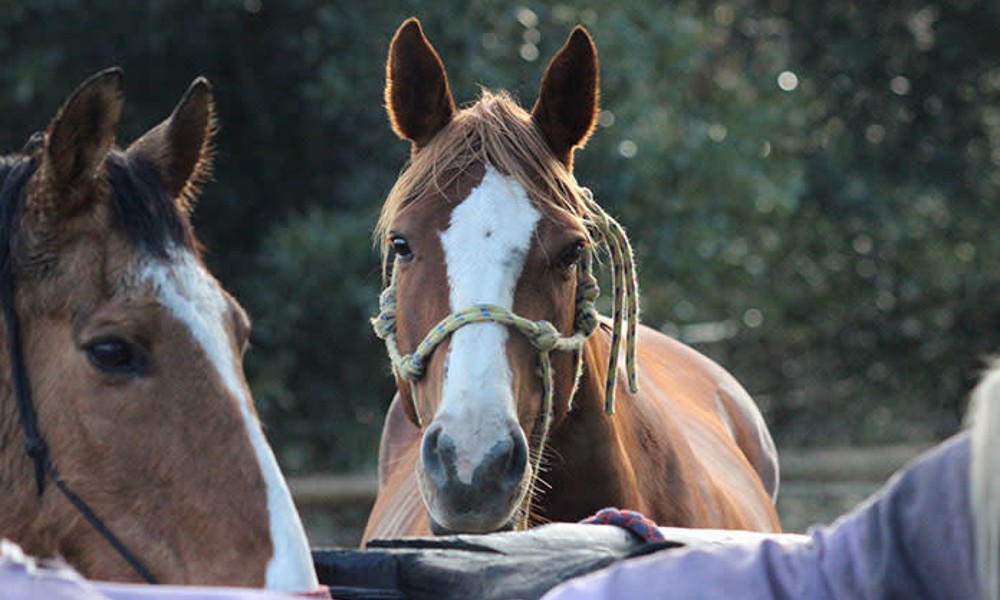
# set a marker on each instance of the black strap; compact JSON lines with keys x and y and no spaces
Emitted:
{"x":98,"y":524}
{"x":33,"y":441}
{"x":9,"y":212}
{"x":35,"y":444}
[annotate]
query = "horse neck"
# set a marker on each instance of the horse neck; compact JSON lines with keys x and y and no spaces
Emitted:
{"x":594,"y":448}
{"x":587,"y":431}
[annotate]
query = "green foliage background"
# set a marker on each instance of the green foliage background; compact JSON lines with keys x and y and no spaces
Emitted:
{"x":831,"y":243}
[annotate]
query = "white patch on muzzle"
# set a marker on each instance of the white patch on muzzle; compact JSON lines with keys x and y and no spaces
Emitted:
{"x":196,"y":299}
{"x":485,"y":246}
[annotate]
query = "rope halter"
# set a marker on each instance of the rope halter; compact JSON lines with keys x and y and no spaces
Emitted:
{"x":541,"y":334}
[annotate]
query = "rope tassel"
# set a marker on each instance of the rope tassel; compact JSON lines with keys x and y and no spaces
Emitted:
{"x":625,"y":299}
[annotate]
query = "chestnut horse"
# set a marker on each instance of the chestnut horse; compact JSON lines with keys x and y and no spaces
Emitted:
{"x":122,"y":368}
{"x":500,"y":414}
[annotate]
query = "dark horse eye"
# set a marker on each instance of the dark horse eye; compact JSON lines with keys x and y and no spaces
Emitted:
{"x":402,"y":248}
{"x":571,"y":255}
{"x":115,"y":356}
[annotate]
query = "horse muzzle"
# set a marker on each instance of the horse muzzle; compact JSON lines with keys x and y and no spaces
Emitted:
{"x":473,"y":498}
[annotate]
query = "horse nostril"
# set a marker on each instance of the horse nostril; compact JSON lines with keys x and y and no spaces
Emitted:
{"x":429,"y":453}
{"x":438,"y":453}
{"x":517,"y":459}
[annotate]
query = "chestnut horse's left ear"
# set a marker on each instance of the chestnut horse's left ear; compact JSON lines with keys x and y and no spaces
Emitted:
{"x":180,"y":148}
{"x":417,"y":95}
{"x":566,"y":109}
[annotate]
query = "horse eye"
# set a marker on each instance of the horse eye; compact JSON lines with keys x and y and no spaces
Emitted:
{"x":402,"y":248}
{"x":571,"y":255}
{"x":115,"y":356}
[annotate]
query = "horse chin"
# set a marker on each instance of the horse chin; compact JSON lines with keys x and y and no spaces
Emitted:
{"x":470,"y":524}
{"x":438,"y":529}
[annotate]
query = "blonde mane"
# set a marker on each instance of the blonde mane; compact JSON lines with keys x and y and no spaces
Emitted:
{"x":984,"y":421}
{"x":494,"y":131}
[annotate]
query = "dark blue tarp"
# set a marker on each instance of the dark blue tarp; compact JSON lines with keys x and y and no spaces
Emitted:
{"x":498,"y":566}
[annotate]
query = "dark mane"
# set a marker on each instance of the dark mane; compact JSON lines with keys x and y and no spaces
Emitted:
{"x":144,"y":210}
{"x":15,"y":171}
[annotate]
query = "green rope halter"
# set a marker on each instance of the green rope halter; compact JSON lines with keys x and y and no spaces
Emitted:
{"x":541,"y":334}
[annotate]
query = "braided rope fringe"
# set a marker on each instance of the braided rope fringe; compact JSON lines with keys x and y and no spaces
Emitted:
{"x":625,"y":299}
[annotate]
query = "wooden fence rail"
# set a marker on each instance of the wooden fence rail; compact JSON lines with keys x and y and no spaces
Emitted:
{"x":798,"y":465}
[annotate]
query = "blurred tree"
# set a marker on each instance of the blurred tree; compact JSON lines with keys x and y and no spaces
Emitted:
{"x":314,"y":289}
{"x":809,"y":186}
{"x":888,"y":285}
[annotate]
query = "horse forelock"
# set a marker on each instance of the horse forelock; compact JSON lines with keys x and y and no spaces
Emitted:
{"x":144,"y":210}
{"x":141,"y":208}
{"x":496,"y":132}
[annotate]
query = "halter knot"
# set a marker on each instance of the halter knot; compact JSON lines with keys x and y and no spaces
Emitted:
{"x":410,"y":367}
{"x":545,"y":336}
{"x":587,"y":317}
{"x":384,"y":323}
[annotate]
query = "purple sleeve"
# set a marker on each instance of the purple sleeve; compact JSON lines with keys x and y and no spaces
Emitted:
{"x":27,"y":578}
{"x":912,"y":540}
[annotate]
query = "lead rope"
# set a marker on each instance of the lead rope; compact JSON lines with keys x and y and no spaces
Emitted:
{"x":541,"y":334}
{"x":35,"y":445}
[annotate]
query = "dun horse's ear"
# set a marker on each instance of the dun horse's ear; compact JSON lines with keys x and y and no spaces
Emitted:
{"x":566,"y":109}
{"x":83,"y":131}
{"x":180,"y":148}
{"x":417,"y":95}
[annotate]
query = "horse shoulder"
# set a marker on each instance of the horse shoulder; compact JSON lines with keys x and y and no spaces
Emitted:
{"x":687,"y":373}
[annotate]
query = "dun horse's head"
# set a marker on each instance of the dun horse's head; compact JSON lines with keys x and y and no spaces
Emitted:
{"x":487,"y":216}
{"x":133,"y":356}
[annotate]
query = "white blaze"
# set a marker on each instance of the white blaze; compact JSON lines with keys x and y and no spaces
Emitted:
{"x":484,"y":246}
{"x":195,"y":298}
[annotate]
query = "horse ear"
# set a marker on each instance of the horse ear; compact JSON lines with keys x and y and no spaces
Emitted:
{"x":417,"y":95}
{"x":180,"y":148}
{"x":83,"y":131}
{"x":566,"y":109}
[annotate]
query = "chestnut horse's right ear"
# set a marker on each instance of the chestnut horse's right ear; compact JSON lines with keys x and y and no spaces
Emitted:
{"x":417,"y":96}
{"x":83,"y":131}
{"x":566,"y":109}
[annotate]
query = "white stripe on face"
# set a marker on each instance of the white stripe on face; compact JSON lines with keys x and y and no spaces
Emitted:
{"x":195,"y":298}
{"x":484,"y":246}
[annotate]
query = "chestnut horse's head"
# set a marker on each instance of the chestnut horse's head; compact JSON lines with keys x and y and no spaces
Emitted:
{"x":132,"y":362}
{"x":486,"y":218}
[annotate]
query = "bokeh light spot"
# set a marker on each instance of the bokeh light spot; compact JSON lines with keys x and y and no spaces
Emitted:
{"x":628,"y":148}
{"x":788,"y":81}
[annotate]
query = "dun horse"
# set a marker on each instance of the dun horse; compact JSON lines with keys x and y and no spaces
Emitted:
{"x":502,"y":417}
{"x":122,"y":372}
